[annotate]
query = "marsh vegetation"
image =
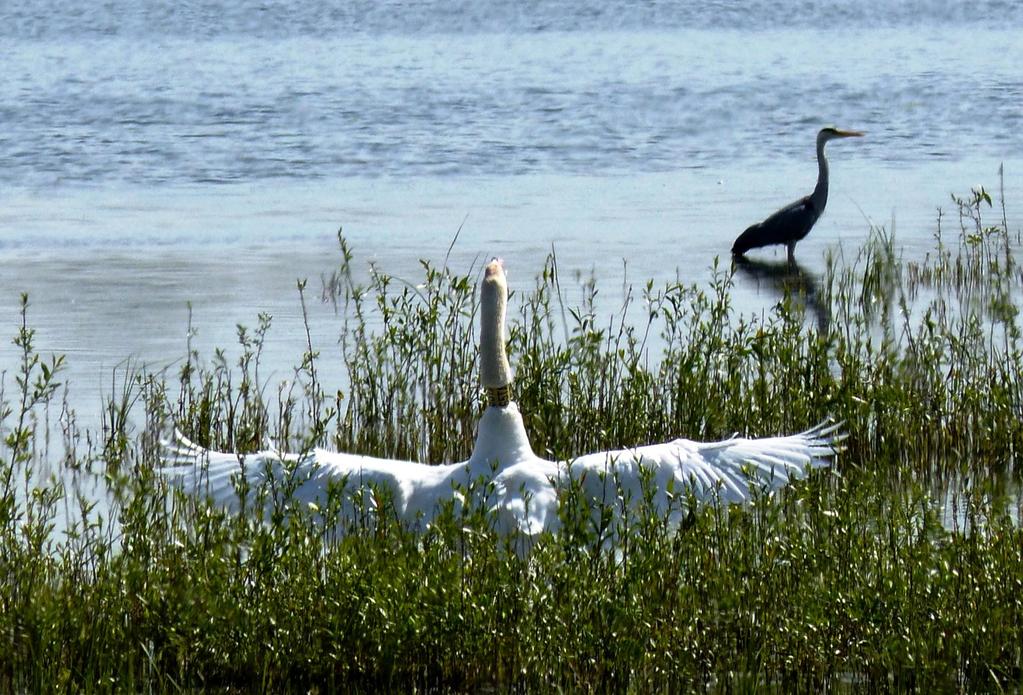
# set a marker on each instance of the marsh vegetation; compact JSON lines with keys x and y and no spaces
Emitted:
{"x":902,"y":567}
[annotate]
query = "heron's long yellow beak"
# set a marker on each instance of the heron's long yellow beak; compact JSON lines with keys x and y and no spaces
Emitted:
{"x":849,"y":133}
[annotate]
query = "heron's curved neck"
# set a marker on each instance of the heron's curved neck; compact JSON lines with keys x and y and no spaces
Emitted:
{"x":820,"y":193}
{"x":495,"y":373}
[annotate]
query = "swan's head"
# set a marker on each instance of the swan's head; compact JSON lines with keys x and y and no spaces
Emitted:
{"x":495,"y":372}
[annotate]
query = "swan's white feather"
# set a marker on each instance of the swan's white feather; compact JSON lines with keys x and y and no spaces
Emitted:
{"x":521,"y":489}
{"x":729,"y":471}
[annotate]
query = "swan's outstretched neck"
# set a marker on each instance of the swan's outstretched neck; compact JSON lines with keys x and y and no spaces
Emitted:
{"x":501,"y":439}
{"x":495,"y":373}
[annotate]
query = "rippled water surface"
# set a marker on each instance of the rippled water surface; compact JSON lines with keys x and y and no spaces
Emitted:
{"x":163,"y":153}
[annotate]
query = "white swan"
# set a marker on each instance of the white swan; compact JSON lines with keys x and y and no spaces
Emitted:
{"x":522,"y":494}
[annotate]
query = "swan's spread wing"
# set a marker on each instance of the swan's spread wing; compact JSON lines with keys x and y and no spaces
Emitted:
{"x":265,"y":478}
{"x":219,"y":475}
{"x":728,"y":471}
{"x":520,"y":496}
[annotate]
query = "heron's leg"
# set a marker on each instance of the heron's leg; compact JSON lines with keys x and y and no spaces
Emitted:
{"x":792,"y":251}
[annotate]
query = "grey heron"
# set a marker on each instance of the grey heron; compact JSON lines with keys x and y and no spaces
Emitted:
{"x":794,"y":221}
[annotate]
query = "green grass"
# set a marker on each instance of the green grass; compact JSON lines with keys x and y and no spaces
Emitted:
{"x":900,"y":569}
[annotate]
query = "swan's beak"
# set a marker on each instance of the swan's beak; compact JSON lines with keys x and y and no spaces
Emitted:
{"x":494,"y":269}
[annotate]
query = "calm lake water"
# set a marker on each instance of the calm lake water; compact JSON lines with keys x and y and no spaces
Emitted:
{"x":158,"y":154}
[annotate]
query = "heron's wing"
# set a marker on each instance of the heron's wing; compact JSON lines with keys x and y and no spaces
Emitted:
{"x":791,"y":223}
{"x":261,"y":479}
{"x":726,"y":471}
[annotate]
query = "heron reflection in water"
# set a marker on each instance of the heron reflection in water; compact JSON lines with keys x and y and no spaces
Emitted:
{"x":787,"y":278}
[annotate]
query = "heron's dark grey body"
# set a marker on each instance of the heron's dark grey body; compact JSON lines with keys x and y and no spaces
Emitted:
{"x":787,"y":226}
{"x":794,"y":221}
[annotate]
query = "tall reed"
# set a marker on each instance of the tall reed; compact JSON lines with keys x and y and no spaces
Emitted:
{"x":901,"y":568}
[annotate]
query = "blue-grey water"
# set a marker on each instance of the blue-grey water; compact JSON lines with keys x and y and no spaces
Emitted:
{"x":155,"y":154}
